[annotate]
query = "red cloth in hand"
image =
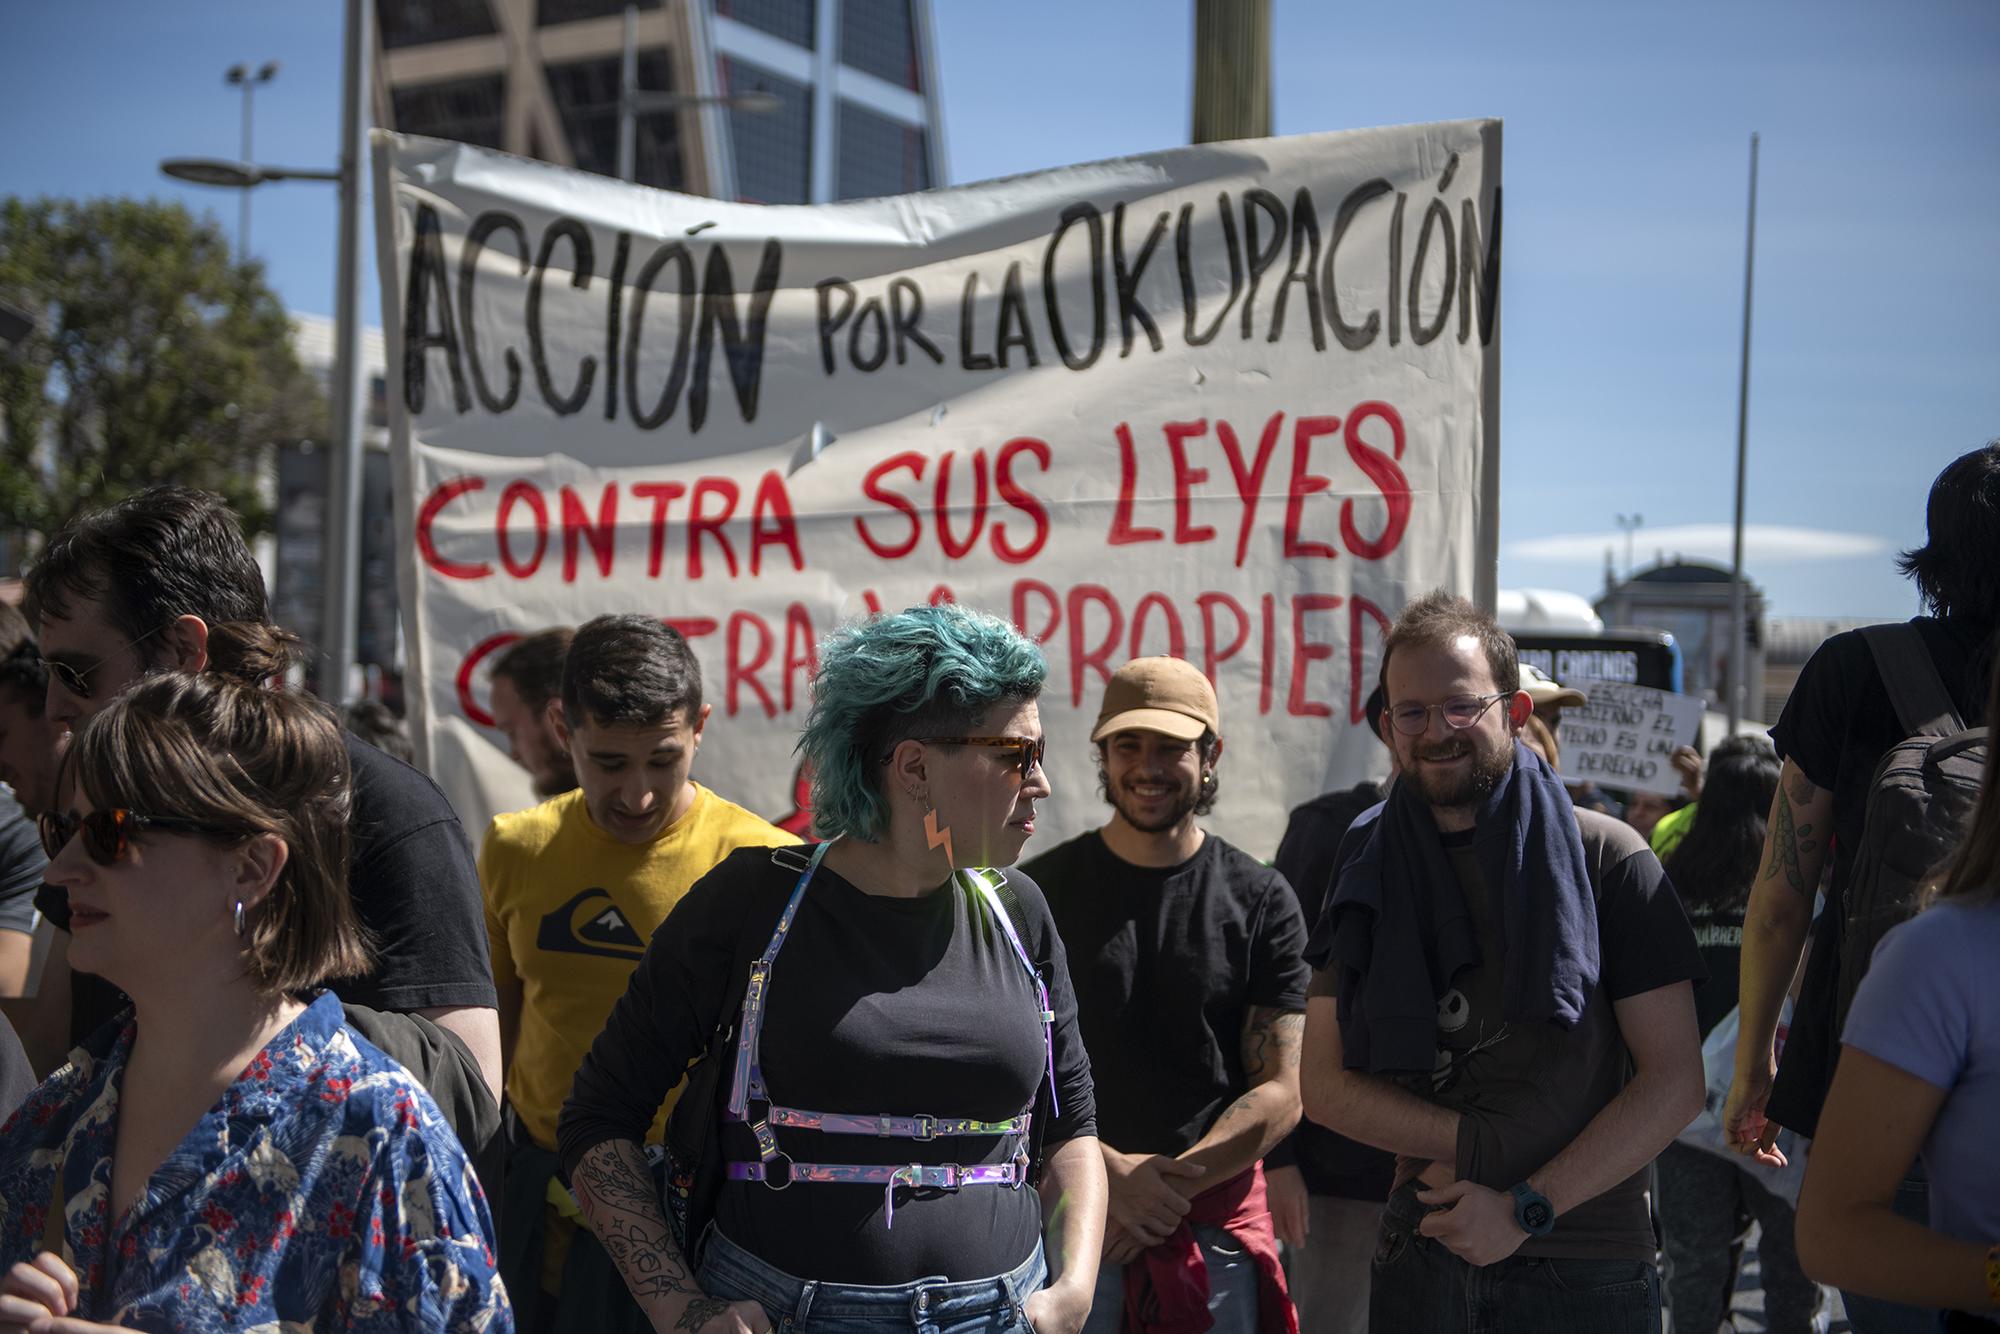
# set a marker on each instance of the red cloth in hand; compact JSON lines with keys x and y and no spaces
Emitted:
{"x":1166,"y":1289}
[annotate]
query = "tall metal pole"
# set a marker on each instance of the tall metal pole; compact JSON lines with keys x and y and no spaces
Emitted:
{"x":344,"y":471}
{"x":243,"y":200}
{"x":1738,"y":637}
{"x":628,"y":92}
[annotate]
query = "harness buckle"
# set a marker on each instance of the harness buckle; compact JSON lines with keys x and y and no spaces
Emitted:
{"x":953,"y":1174}
{"x":924,"y":1127}
{"x":771,"y":1177}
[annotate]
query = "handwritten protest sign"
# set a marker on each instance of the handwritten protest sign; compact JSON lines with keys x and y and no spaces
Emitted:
{"x":1236,"y":402}
{"x":1625,"y":737}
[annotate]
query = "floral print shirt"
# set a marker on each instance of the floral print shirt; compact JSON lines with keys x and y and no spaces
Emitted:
{"x":324,"y":1191}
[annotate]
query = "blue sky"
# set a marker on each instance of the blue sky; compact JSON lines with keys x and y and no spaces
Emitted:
{"x":1875,"y":356}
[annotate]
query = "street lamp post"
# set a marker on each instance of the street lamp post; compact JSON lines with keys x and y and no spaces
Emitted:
{"x":1631,"y":523}
{"x":342,"y":573}
{"x":240,"y":76}
{"x":342,"y":536}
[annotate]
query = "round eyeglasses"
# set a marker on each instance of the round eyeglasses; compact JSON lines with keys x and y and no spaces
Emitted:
{"x":1460,"y":712}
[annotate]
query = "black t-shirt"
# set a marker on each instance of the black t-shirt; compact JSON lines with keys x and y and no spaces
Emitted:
{"x":1719,"y":934}
{"x":1526,"y":1091}
{"x":1837,"y":725}
{"x":415,"y":888}
{"x":1167,"y":962}
{"x":21,"y":863}
{"x":1331,"y":1163}
{"x":876,"y":1006}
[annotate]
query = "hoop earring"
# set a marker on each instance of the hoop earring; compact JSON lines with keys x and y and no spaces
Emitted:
{"x":237,"y":917}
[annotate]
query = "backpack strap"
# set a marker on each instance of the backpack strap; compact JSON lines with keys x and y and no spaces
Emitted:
{"x":1923,"y":706}
{"x":1045,"y":1097}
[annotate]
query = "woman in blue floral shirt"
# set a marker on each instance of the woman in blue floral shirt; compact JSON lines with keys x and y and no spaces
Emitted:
{"x":230,"y":1154}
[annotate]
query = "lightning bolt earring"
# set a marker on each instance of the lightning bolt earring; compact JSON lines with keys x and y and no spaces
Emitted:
{"x":935,"y":837}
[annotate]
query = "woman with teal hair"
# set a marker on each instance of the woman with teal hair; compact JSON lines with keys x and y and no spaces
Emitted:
{"x":900,"y":1097}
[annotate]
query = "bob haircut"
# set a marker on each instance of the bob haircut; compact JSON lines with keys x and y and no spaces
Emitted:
{"x":926,"y":671}
{"x":260,"y":761}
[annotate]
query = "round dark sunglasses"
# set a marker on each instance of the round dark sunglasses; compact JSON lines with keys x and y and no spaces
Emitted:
{"x":1028,"y":751}
{"x":107,"y":834}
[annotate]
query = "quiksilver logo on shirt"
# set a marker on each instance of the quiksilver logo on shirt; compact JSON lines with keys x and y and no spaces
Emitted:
{"x":590,"y":923}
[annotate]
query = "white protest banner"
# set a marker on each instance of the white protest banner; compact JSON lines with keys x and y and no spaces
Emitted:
{"x":1626,"y":736}
{"x":1236,"y":402}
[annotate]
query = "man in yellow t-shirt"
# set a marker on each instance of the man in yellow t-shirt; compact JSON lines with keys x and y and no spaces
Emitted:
{"x":574,"y":888}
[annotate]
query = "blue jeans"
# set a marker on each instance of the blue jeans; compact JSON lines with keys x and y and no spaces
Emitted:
{"x":1872,"y":1315}
{"x":1232,"y":1288}
{"x":927,"y":1306}
{"x":1417,"y":1284}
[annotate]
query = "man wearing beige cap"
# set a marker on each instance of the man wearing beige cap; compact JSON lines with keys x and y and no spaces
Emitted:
{"x":1186,"y":959}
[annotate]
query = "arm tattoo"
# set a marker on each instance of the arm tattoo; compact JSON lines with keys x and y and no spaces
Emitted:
{"x":700,"y":1311}
{"x":616,"y":1195}
{"x":1234,"y":1112}
{"x":1271,"y":1041}
{"x":1790,"y":840}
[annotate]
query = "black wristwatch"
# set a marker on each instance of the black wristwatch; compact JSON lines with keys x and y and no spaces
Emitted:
{"x":1532,"y":1211}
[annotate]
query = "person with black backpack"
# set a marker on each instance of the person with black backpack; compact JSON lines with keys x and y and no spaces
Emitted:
{"x":1876,"y":783}
{"x":886,"y":1061}
{"x":1920,"y":1076}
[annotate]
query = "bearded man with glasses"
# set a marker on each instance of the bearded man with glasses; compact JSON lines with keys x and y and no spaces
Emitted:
{"x":1503,"y":999}
{"x":1190,"y":991}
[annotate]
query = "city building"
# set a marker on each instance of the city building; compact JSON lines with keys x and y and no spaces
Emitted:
{"x":1690,"y":601}
{"x":846,"y":103}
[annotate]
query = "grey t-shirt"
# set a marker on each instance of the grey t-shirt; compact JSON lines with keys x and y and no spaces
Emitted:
{"x":21,"y":863}
{"x":1525,"y":1091}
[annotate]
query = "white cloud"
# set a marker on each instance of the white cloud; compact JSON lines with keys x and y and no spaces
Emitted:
{"x":1762,"y":542}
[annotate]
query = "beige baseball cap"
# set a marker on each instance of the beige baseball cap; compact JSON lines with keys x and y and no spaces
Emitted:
{"x":1165,"y":695}
{"x":1542,"y":690}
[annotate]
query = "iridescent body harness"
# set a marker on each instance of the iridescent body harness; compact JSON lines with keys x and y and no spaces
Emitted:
{"x":777,"y":1170}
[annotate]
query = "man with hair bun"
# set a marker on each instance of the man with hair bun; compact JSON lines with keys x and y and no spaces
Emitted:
{"x":574,"y":888}
{"x":1190,"y":991}
{"x":163,"y":581}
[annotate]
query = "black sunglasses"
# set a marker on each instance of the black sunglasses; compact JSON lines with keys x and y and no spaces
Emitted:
{"x":106,"y":834}
{"x":1029,"y":750}
{"x":77,"y":682}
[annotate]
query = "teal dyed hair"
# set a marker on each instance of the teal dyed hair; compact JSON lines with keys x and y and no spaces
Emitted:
{"x":926,"y":671}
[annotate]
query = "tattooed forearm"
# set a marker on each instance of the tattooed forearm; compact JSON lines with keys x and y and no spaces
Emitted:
{"x":1790,"y":841}
{"x":1271,"y":1041}
{"x":1244,"y":1108}
{"x":616,"y":1194}
{"x":699,"y":1311}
